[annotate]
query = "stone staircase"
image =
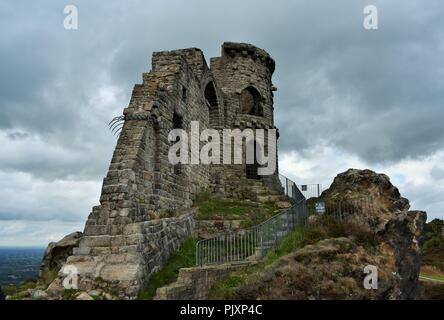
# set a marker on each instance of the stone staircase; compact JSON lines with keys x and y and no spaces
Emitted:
{"x":259,"y":192}
{"x":195,"y":283}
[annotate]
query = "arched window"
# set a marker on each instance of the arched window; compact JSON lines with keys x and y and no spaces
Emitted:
{"x":250,"y":102}
{"x":177,"y":121}
{"x":212,"y":103}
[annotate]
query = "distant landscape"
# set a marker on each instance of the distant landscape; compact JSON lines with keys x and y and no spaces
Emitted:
{"x":19,"y":264}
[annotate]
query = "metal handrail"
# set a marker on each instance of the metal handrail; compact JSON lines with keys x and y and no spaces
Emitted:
{"x":254,"y":242}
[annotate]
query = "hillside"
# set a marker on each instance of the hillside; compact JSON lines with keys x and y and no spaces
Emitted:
{"x":432,"y":269}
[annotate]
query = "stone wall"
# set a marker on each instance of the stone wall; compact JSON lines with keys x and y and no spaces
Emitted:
{"x":124,"y":263}
{"x":196,"y":283}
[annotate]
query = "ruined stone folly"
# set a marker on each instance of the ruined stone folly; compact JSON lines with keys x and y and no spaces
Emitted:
{"x":145,"y":205}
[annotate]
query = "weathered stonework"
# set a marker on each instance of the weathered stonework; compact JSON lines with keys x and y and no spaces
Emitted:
{"x":196,"y":283}
{"x":140,"y":219}
{"x":206,"y":229}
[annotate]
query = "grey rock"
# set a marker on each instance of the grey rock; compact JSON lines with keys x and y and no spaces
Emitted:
{"x":84,"y":296}
{"x":39,"y":295}
{"x":57,"y":252}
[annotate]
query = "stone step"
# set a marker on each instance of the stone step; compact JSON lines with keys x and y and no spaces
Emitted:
{"x":265,"y":191}
{"x":271,"y":198}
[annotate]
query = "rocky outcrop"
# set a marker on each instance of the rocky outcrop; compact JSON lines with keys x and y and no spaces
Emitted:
{"x":330,"y":269}
{"x":357,"y":184}
{"x":334,"y":268}
{"x":400,"y":231}
{"x":402,"y":239}
{"x":57,"y":252}
{"x":367,"y":191}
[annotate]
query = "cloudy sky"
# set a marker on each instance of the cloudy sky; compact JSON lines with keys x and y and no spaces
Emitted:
{"x":347,"y":97}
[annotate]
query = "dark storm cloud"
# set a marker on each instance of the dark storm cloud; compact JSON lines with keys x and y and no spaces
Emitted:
{"x":375,"y":94}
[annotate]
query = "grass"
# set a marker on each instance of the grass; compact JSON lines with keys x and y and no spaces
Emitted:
{"x":14,"y":290}
{"x":226,"y":288}
{"x":293,"y":241}
{"x":212,"y":207}
{"x":432,"y":276}
{"x":48,"y":277}
{"x":69,"y":294}
{"x":431,"y":272}
{"x":185,"y":257}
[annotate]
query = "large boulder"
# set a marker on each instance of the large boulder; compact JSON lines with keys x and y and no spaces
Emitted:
{"x":368,"y":195}
{"x":57,"y":252}
{"x":354,"y":185}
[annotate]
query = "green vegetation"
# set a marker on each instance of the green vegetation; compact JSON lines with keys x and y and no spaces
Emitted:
{"x":434,"y":245}
{"x":69,"y":294}
{"x":212,"y":207}
{"x":438,"y":277}
{"x":226,"y":289}
{"x":185,"y":257}
{"x":434,"y":235}
{"x":48,"y":277}
{"x":293,"y":241}
{"x":14,"y":291}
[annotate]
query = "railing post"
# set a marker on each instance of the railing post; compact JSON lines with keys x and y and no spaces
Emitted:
{"x":261,"y":241}
{"x":286,"y":185}
{"x":197,"y":254}
{"x":288,"y":221}
{"x":273,"y":231}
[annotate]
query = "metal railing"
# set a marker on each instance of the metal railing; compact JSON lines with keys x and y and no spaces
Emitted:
{"x":296,"y":192}
{"x":291,"y":189}
{"x":254,"y":242}
{"x":310,"y":190}
{"x":359,"y":212}
{"x":251,"y":243}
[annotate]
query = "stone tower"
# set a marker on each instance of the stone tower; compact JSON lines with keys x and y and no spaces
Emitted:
{"x":243,"y":73}
{"x":144,"y":212}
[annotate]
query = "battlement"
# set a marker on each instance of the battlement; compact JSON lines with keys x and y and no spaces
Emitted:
{"x":194,"y":57}
{"x":245,"y":50}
